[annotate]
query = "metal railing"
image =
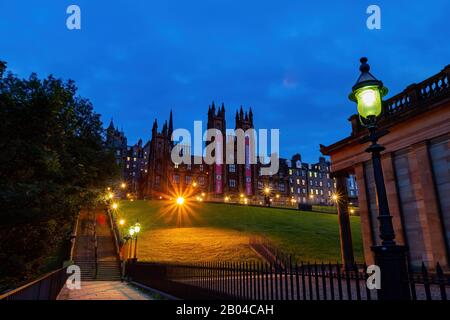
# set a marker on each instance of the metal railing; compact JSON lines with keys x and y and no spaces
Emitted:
{"x":258,"y":281}
{"x":46,"y":287}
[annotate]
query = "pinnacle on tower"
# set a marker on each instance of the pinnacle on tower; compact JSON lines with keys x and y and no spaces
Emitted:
{"x":170,"y":123}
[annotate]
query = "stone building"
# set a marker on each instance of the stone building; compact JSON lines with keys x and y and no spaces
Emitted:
{"x":116,"y":141}
{"x":416,"y":169}
{"x":150,"y":173}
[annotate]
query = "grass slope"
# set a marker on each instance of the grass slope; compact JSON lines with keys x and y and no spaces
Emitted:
{"x":220,"y":231}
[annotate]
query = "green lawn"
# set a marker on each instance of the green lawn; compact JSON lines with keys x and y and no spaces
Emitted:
{"x":220,"y":231}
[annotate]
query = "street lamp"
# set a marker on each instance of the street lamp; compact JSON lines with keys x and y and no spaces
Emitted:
{"x":137,"y":229}
{"x":114,"y":206}
{"x":123,"y":185}
{"x":180,"y":202}
{"x":267,"y":199}
{"x":390,"y":257}
{"x":131,"y":234}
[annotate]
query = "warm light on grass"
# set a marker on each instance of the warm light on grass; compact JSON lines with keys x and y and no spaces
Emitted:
{"x":200,"y":231}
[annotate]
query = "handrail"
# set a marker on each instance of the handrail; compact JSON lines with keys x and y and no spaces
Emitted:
{"x":73,"y":237}
{"x":115,"y":231}
{"x":29,"y":285}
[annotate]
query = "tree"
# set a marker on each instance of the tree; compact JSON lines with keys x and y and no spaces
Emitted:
{"x":53,"y":161}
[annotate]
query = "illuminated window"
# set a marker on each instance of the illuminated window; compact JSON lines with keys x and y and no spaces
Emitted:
{"x":176,"y":178}
{"x":232,"y":168}
{"x":201,"y":167}
{"x":232,"y":183}
{"x":176,"y":165}
{"x":187,"y":179}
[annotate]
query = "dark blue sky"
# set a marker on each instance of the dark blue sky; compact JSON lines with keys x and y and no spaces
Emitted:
{"x":294,"y":62}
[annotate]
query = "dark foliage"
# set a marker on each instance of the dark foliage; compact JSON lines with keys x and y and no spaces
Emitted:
{"x":52,"y":161}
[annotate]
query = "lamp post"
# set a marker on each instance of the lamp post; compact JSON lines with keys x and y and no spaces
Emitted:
{"x":180,"y":202}
{"x":390,"y":257}
{"x":137,"y":229}
{"x":131,"y":233}
{"x":267,"y":196}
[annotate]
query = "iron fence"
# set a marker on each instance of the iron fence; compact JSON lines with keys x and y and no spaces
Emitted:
{"x":258,"y":281}
{"x":44,"y":288}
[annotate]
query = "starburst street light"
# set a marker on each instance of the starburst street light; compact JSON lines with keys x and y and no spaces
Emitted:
{"x":180,"y":201}
{"x":123,"y":185}
{"x":114,"y":206}
{"x":122,"y":222}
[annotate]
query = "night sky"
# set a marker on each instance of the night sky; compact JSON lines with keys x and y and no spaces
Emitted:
{"x":294,"y":62}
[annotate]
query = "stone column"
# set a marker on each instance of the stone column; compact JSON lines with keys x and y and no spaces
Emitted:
{"x":366,"y":223}
{"x":392,"y":196}
{"x":345,"y":233}
{"x":428,"y":207}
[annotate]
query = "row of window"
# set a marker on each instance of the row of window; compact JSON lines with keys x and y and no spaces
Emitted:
{"x":187,"y":179}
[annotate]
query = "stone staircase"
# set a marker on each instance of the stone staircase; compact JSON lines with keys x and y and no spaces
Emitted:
{"x":87,"y":268}
{"x":108,"y":271}
{"x":95,"y":252}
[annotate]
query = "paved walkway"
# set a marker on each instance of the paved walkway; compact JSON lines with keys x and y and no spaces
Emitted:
{"x":103,"y":290}
{"x":91,"y":223}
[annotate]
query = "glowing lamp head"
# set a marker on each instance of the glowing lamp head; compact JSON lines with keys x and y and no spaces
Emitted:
{"x":115,"y":206}
{"x":194,"y":184}
{"x":121,"y":222}
{"x":180,"y":201}
{"x":123,"y":185}
{"x":137,"y":227}
{"x":335,"y":197}
{"x":266,"y":190}
{"x":368,"y":93}
{"x":131,"y":231}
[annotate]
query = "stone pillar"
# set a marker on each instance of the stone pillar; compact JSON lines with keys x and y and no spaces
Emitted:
{"x":428,"y":207}
{"x":345,"y":233}
{"x":366,"y":224}
{"x":392,"y":196}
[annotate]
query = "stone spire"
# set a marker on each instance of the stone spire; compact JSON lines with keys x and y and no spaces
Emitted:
{"x":170,"y":123}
